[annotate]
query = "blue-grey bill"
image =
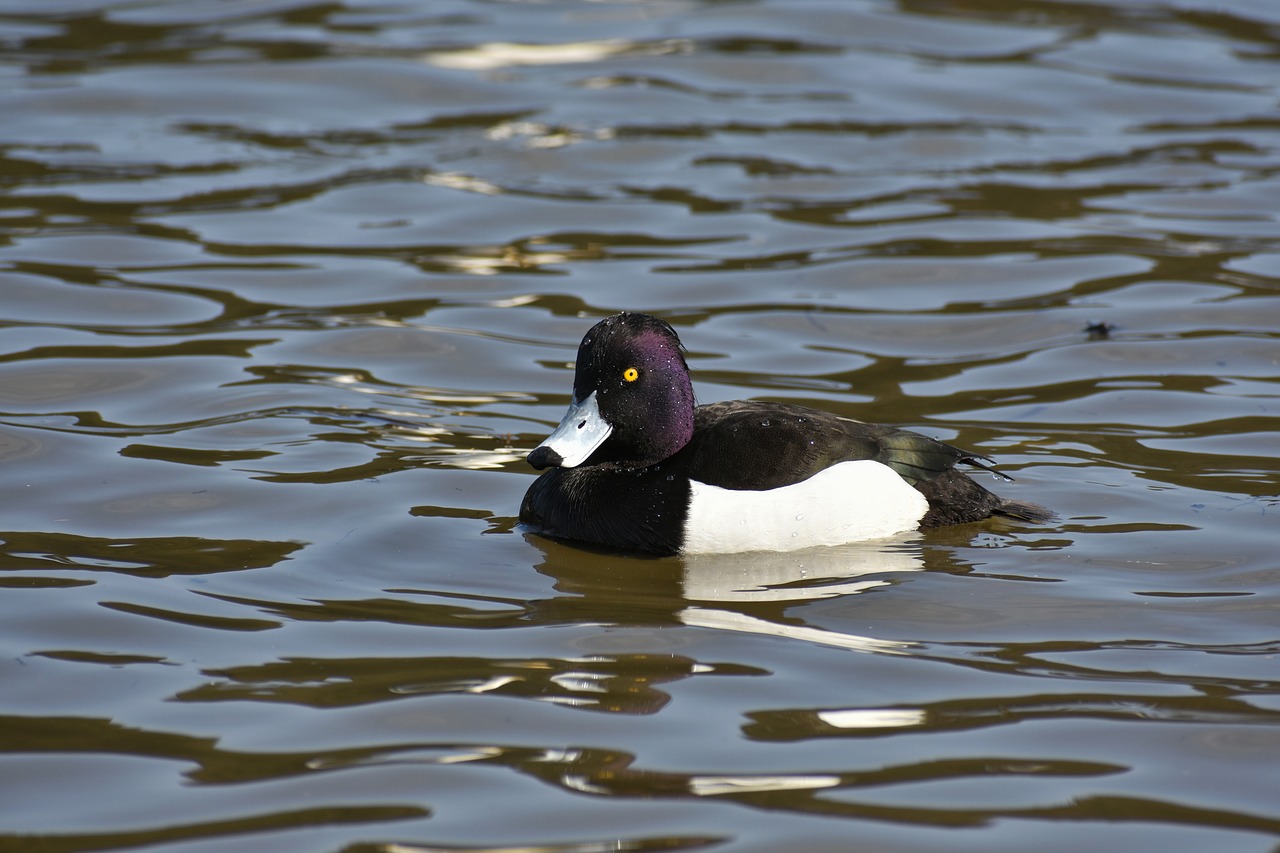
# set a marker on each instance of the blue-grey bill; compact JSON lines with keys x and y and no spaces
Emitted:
{"x":581,"y":431}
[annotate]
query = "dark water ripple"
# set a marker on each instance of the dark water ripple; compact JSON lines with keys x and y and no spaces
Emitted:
{"x":287,"y":291}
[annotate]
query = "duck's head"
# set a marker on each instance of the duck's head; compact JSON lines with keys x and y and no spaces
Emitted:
{"x":632,"y":398}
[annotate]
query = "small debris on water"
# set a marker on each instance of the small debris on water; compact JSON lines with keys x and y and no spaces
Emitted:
{"x":1099,"y":329}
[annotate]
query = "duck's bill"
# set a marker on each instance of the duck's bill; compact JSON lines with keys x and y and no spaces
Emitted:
{"x":580,"y":432}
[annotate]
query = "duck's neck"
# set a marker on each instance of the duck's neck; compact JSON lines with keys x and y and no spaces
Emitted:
{"x":680,"y":428}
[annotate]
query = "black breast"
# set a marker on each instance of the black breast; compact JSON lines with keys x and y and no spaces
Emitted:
{"x":634,"y":509}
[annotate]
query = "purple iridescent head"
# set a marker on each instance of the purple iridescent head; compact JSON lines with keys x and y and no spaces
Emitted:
{"x":632,"y":398}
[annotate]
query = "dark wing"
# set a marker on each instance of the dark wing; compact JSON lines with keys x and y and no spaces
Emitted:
{"x":756,"y":445}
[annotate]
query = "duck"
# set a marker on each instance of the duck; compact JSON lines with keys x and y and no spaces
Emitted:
{"x":637,"y":465}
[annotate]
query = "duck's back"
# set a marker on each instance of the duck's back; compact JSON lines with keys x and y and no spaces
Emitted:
{"x":748,"y":444}
{"x":753,"y":445}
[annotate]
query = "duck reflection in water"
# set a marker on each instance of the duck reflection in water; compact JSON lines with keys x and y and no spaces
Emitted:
{"x":754,"y":593}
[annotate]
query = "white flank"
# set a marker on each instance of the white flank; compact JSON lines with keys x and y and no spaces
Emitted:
{"x":848,"y":502}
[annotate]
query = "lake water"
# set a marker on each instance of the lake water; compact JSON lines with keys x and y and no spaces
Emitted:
{"x":289,"y":289}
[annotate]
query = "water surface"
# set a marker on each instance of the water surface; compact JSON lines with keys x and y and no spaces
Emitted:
{"x":287,"y":291}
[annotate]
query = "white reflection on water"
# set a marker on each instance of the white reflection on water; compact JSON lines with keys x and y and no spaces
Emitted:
{"x":872,"y":718}
{"x":711,"y":786}
{"x":798,"y":575}
{"x":728,"y":620}
{"x":794,"y":576}
{"x":500,"y":54}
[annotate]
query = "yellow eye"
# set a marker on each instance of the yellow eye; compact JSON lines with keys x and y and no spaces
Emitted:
{"x":630,"y":374}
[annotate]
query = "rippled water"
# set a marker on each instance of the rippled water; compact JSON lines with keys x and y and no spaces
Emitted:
{"x":287,"y":291}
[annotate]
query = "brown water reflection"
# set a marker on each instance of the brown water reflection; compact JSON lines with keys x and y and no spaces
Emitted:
{"x":288,"y":290}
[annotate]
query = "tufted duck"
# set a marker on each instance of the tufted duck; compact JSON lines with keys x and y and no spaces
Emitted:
{"x":635,"y":464}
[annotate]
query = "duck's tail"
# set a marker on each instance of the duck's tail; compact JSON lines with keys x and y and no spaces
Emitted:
{"x":1023,"y":511}
{"x":1017,"y":510}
